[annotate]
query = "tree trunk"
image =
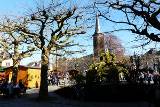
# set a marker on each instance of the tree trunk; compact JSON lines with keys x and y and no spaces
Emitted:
{"x":14,"y":74}
{"x":43,"y":92}
{"x":16,"y":62}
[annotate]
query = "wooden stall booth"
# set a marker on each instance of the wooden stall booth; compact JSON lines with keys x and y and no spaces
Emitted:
{"x":30,"y":76}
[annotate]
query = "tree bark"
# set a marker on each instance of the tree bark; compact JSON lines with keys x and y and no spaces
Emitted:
{"x":14,"y":74}
{"x":43,"y":92}
{"x":15,"y":63}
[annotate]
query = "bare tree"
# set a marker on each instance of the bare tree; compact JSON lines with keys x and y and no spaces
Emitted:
{"x":114,"y":45}
{"x":140,"y":17}
{"x":13,"y":42}
{"x":51,"y":28}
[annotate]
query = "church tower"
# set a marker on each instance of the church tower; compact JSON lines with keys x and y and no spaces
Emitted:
{"x":98,"y":40}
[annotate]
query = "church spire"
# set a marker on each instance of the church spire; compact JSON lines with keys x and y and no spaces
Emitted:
{"x":97,"y":28}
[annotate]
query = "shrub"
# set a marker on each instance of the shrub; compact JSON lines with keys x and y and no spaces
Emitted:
{"x":105,"y":71}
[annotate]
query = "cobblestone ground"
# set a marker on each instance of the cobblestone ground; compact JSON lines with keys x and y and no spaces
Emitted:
{"x":56,"y":101}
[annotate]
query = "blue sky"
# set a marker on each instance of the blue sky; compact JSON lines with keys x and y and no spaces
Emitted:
{"x":20,"y":7}
{"x":13,"y":7}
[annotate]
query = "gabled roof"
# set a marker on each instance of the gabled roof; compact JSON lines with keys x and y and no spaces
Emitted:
{"x":151,"y":51}
{"x":24,"y":67}
{"x":34,"y":64}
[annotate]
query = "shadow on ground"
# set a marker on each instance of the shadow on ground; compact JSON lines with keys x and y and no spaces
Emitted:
{"x":111,"y":93}
{"x":64,"y":97}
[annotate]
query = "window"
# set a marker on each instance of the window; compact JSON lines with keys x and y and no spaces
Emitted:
{"x":7,"y":64}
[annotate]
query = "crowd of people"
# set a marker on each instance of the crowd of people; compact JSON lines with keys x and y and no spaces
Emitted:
{"x":12,"y":89}
{"x":56,"y":78}
{"x":149,"y":77}
{"x":53,"y":79}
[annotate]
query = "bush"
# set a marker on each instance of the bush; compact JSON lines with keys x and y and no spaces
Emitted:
{"x":106,"y":71}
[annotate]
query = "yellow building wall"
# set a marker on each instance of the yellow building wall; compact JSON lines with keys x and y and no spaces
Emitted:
{"x":33,"y":77}
{"x":8,"y":74}
{"x":29,"y":76}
